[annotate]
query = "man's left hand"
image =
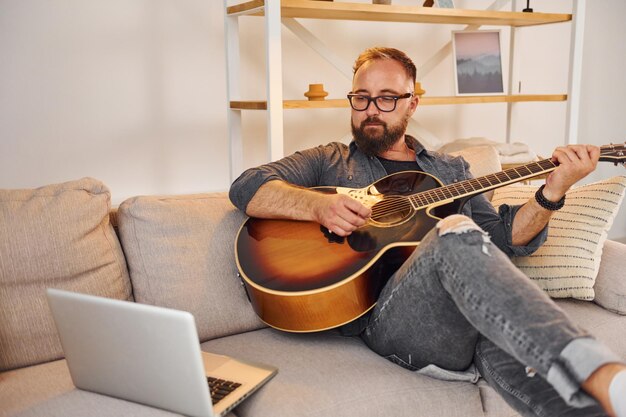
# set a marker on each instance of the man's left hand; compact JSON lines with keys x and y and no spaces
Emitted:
{"x":575,"y":162}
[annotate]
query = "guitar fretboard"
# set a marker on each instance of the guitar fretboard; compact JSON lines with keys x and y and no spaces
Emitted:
{"x":481,"y":184}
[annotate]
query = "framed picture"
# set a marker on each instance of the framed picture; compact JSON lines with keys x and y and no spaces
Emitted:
{"x":449,"y":4}
{"x":477,"y":62}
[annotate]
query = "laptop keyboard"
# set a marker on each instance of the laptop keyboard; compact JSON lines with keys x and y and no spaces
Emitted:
{"x":220,"y":388}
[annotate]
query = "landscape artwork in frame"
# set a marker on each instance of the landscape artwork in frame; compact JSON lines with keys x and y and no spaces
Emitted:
{"x":478,"y":62}
{"x":448,"y":4}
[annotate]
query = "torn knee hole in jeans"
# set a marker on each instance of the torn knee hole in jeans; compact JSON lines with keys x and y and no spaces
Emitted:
{"x":458,"y":224}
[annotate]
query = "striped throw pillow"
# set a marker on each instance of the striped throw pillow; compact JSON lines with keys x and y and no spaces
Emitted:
{"x":567,"y":264}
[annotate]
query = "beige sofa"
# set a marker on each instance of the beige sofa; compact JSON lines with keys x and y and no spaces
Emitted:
{"x":177,"y":251}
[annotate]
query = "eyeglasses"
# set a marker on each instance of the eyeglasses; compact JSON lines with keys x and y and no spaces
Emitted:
{"x":385,"y":104}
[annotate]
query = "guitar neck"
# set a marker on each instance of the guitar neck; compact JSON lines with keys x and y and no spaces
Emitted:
{"x":479,"y":185}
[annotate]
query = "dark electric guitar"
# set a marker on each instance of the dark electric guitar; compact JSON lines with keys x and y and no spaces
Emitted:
{"x":302,"y":278}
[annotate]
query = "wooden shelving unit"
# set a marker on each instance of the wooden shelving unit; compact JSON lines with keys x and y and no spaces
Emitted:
{"x":274,"y":11}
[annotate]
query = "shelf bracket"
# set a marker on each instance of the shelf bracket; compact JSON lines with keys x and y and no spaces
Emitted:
{"x":513,"y":74}
{"x":575,"y":75}
{"x":446,"y":50}
{"x":273,"y":50}
{"x":318,"y":46}
{"x":235,"y":147}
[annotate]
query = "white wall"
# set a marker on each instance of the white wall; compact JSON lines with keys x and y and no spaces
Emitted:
{"x":603,"y":101}
{"x":130,"y":92}
{"x":133,"y":91}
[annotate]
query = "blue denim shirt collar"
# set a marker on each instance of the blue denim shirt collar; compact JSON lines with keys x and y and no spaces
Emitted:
{"x":447,"y":168}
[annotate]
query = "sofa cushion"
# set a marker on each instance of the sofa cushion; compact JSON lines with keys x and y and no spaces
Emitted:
{"x":601,"y":323}
{"x":79,"y":403}
{"x":26,"y":387}
{"x":47,"y":390}
{"x":567,"y":264}
{"x":610,"y":286}
{"x":326,"y":374}
{"x":604,"y":325}
{"x":180,"y":254}
{"x":54,"y":236}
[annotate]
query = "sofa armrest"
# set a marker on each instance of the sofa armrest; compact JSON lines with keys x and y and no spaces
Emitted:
{"x":610,"y":286}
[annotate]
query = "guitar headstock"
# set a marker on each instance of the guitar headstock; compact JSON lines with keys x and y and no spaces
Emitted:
{"x":615,"y":153}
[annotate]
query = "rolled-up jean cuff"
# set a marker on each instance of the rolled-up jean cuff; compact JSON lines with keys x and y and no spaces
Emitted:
{"x":578,"y":360}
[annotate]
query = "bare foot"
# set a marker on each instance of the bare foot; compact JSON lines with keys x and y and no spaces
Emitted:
{"x":597,"y":385}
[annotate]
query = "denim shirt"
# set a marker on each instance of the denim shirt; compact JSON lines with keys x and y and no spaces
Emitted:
{"x":340,"y":165}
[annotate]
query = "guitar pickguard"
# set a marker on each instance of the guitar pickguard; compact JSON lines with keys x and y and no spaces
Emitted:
{"x":367,"y":196}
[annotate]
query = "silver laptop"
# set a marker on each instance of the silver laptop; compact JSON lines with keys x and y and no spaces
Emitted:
{"x":149,"y":355}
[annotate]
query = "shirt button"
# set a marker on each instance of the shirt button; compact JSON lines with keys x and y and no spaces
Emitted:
{"x":349,"y":177}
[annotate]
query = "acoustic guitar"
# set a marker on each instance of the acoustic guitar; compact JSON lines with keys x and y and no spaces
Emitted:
{"x":302,"y":278}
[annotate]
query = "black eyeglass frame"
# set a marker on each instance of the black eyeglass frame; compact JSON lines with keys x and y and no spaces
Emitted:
{"x":375,"y":100}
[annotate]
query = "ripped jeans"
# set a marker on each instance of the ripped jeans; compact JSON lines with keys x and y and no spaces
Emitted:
{"x":458,"y":300}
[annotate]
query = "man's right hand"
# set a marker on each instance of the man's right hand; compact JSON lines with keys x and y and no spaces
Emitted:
{"x":340,"y":213}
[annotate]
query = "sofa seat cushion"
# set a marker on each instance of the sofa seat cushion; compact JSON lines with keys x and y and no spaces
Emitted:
{"x":26,"y":387}
{"x":46,"y":390}
{"x":326,"y":374}
{"x":604,"y":325}
{"x":55,"y":236}
{"x":319,"y":374}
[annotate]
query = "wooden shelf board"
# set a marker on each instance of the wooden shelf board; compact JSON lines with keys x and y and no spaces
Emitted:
{"x":244,"y":7}
{"x":248,"y":105}
{"x":516,"y":98}
{"x":396,"y":13}
{"x":424,"y":101}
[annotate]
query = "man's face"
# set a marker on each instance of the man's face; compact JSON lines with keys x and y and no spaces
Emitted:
{"x":375,"y":131}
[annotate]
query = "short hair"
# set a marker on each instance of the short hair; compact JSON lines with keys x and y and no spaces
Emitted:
{"x":380,"y":52}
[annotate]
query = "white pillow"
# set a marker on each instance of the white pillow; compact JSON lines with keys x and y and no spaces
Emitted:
{"x":567,"y":264}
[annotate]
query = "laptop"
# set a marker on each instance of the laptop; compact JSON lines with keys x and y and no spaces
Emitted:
{"x":149,"y":355}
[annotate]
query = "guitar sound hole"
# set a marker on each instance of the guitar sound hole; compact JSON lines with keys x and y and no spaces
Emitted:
{"x":391,"y":211}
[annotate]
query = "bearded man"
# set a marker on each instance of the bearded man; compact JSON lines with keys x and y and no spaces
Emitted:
{"x":457,"y":304}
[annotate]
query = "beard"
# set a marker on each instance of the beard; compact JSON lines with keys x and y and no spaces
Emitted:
{"x":376,"y":144}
